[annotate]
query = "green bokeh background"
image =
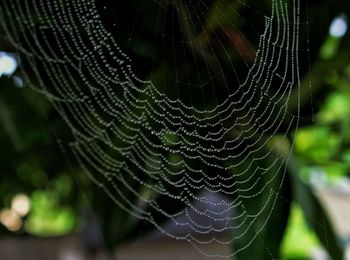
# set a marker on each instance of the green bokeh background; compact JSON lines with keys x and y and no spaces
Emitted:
{"x":36,"y":161}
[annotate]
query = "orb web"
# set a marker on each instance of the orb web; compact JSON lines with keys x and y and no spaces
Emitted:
{"x":170,"y":103}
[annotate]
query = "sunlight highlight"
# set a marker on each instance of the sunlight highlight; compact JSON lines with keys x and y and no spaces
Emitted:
{"x":21,"y":205}
{"x":8,"y":64}
{"x":339,"y":27}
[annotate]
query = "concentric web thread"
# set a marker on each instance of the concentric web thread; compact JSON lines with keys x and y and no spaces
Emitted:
{"x":164,"y":143}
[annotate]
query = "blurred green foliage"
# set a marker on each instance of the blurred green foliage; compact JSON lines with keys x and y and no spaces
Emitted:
{"x":49,"y":217}
{"x":31,"y":164}
{"x":299,"y":239}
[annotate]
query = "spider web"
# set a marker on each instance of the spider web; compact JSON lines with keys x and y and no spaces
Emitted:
{"x":165,"y":127}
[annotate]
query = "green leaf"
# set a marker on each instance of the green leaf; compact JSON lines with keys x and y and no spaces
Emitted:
{"x":268,"y":241}
{"x":264,"y":235}
{"x":315,"y":214}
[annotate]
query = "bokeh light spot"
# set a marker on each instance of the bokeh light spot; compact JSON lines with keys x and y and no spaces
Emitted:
{"x":8,"y":64}
{"x":21,"y":204}
{"x":339,"y":27}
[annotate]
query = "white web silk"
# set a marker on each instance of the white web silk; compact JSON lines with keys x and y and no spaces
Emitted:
{"x":138,"y":144}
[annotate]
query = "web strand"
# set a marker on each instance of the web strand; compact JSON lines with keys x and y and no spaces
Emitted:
{"x":138,"y":140}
